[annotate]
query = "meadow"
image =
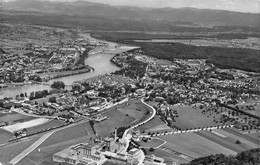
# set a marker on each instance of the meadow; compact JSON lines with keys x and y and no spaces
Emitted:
{"x":123,"y":115}
{"x":14,"y":117}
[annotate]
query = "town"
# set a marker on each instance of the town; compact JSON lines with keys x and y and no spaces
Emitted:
{"x":108,"y":82}
{"x":172,"y":92}
{"x":43,"y":58}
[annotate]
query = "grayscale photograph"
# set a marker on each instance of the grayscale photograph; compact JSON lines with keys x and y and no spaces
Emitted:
{"x":129,"y":82}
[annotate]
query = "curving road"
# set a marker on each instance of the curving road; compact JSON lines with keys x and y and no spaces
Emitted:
{"x":143,"y":122}
{"x":126,"y":137}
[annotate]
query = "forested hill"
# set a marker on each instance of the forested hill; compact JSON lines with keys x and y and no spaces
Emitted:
{"x":251,"y":157}
{"x":226,"y":58}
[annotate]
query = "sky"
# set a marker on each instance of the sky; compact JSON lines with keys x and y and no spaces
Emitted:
{"x":250,"y":6}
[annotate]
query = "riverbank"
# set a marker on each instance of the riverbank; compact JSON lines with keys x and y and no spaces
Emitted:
{"x":55,"y":75}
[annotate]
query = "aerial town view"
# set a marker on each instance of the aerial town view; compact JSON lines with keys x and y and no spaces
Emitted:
{"x":129,"y":82}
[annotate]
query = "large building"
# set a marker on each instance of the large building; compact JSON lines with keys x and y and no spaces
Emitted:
{"x":98,"y":150}
{"x":83,"y":153}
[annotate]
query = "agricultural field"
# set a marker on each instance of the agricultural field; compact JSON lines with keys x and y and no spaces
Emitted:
{"x":20,"y":126}
{"x":154,"y":143}
{"x":125,"y":114}
{"x":169,"y":156}
{"x":50,"y":124}
{"x":13,"y":117}
{"x":190,"y":117}
{"x":193,"y":145}
{"x":67,"y":134}
{"x":189,"y":146}
{"x":195,"y":117}
{"x":11,"y":150}
{"x":155,"y":125}
{"x":5,"y":136}
{"x":58,"y":141}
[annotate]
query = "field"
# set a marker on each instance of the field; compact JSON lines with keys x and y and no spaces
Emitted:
{"x":67,"y":134}
{"x":58,"y":141}
{"x":193,"y":118}
{"x":13,"y":149}
{"x":193,"y":145}
{"x":5,"y":136}
{"x":155,"y":125}
{"x":19,"y":126}
{"x":13,"y":117}
{"x":169,"y":156}
{"x":154,"y":143}
{"x":123,"y":115}
{"x":49,"y":124}
{"x":187,"y":146}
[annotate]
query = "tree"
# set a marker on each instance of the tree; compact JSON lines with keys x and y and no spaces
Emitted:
{"x":151,"y":149}
{"x":52,"y":99}
{"x":58,"y":85}
{"x":21,"y":95}
{"x":25,"y":130}
{"x":16,"y":134}
{"x":238,"y":142}
{"x":6,"y":123}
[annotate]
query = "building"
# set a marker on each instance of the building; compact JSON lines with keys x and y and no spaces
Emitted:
{"x":152,"y":158}
{"x":99,"y":118}
{"x":83,"y":153}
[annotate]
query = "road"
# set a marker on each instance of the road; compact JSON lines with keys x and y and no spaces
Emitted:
{"x":26,"y":152}
{"x":126,"y":137}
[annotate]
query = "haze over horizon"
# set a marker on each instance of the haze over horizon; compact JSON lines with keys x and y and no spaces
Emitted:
{"x":252,"y":6}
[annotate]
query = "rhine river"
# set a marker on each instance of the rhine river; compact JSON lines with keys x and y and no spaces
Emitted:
{"x":100,"y":62}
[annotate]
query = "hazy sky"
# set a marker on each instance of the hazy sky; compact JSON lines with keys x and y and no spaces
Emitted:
{"x":252,"y":6}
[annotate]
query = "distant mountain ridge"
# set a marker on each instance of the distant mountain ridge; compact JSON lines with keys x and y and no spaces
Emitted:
{"x":84,"y":8}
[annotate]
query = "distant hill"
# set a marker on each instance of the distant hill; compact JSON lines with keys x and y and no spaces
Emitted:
{"x":183,"y":16}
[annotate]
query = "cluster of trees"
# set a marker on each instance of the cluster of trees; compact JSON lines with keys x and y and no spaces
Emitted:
{"x":250,"y":157}
{"x":52,"y":99}
{"x":38,"y":94}
{"x":121,"y":130}
{"x":81,"y":87}
{"x":58,"y":85}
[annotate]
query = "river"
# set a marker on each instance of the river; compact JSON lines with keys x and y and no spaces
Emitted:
{"x":100,"y":62}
